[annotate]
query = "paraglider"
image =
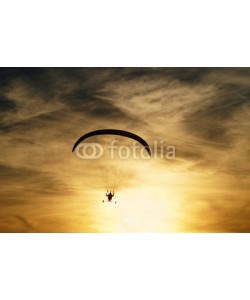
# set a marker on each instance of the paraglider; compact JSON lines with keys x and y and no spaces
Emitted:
{"x":109,"y":196}
{"x":113,"y":132}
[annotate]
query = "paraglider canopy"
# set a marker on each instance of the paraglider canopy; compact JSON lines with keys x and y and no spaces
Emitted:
{"x":114,"y":132}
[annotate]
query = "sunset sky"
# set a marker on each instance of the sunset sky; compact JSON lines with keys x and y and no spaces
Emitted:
{"x":204,"y":113}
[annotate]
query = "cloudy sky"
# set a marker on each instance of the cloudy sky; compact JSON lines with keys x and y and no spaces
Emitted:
{"x":203,"y":113}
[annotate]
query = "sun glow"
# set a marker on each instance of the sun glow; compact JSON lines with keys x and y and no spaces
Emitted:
{"x":140,"y":210}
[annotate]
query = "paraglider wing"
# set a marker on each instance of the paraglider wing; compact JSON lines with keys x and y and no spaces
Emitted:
{"x":114,"y":132}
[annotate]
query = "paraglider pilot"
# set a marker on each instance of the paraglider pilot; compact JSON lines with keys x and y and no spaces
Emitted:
{"x":110,"y":195}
